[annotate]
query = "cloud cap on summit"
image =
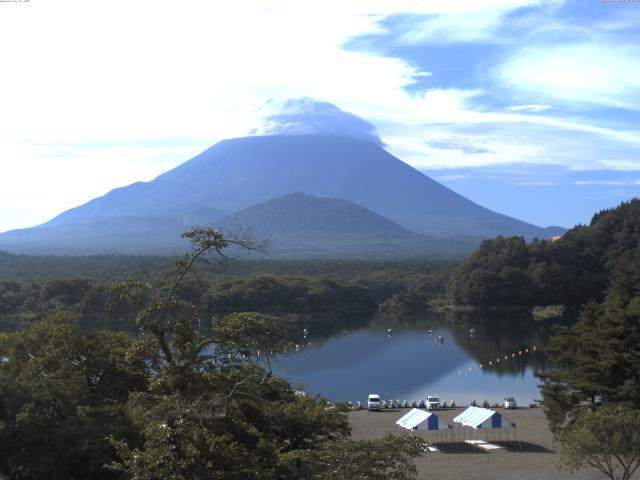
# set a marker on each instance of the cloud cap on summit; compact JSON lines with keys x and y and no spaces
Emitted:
{"x":306,"y":116}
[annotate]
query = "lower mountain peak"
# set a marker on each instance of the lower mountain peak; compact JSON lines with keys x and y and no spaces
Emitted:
{"x":300,"y":214}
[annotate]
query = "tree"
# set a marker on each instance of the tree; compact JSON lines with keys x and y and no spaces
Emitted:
{"x":62,"y":393}
{"x":598,"y":361}
{"x":390,"y":457}
{"x":254,"y":335}
{"x":607,"y":439}
{"x":599,"y":356}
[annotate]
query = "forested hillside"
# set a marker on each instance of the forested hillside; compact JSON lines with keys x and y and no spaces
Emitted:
{"x":571,"y":270}
{"x":321,"y":294}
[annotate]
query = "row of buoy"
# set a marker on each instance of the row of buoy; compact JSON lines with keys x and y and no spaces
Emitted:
{"x":519,"y":353}
{"x":497,"y":361}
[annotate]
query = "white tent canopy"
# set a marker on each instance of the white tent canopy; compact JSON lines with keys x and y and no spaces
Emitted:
{"x":476,"y":417}
{"x":421,"y":420}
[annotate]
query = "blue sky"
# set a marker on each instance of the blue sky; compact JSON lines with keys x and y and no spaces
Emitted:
{"x":543,"y":194}
{"x":515,"y":103}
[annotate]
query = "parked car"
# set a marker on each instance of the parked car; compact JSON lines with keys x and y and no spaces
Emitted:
{"x":433,"y":402}
{"x":373,"y":402}
{"x":509,"y":402}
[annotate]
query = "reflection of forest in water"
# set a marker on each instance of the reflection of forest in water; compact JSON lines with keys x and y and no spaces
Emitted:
{"x":496,"y":334}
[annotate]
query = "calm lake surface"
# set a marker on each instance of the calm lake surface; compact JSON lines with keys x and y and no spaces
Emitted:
{"x":410,"y":364}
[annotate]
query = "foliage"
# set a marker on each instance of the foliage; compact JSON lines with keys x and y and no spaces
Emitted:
{"x":290,"y":295}
{"x":253,"y":335}
{"x":62,"y":392}
{"x":109,"y":268}
{"x":322,"y":294}
{"x":599,"y":356}
{"x":571,"y":271}
{"x":607,"y":439}
{"x":419,"y":293}
{"x":380,"y":459}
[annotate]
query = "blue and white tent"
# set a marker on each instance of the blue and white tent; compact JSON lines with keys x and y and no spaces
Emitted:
{"x":483,"y":418}
{"x":421,"y":420}
{"x":426,"y":421}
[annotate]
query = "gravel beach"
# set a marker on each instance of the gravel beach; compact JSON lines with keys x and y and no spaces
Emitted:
{"x":532,"y":456}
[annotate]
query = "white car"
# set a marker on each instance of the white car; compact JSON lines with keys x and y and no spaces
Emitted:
{"x":433,"y":402}
{"x":509,"y":402}
{"x":373,"y":402}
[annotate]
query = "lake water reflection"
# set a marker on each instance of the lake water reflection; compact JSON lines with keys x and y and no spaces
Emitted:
{"x":409,"y":364}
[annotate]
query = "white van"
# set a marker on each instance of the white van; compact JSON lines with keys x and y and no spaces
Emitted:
{"x":373,"y":402}
{"x":433,"y":402}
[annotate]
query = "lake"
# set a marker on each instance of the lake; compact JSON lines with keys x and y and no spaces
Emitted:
{"x":410,"y":364}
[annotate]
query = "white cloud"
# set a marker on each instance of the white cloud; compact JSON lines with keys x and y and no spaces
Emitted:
{"x":451,"y":178}
{"x":589,"y":73}
{"x":528,"y":108}
{"x":464,"y":21}
{"x":306,"y":116}
{"x":608,"y":182}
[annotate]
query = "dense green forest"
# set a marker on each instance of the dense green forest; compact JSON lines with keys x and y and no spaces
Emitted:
{"x":118,"y":267}
{"x":571,"y":271}
{"x":324,"y":294}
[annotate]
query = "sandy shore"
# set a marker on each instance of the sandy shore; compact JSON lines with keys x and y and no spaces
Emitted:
{"x":532,"y":456}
